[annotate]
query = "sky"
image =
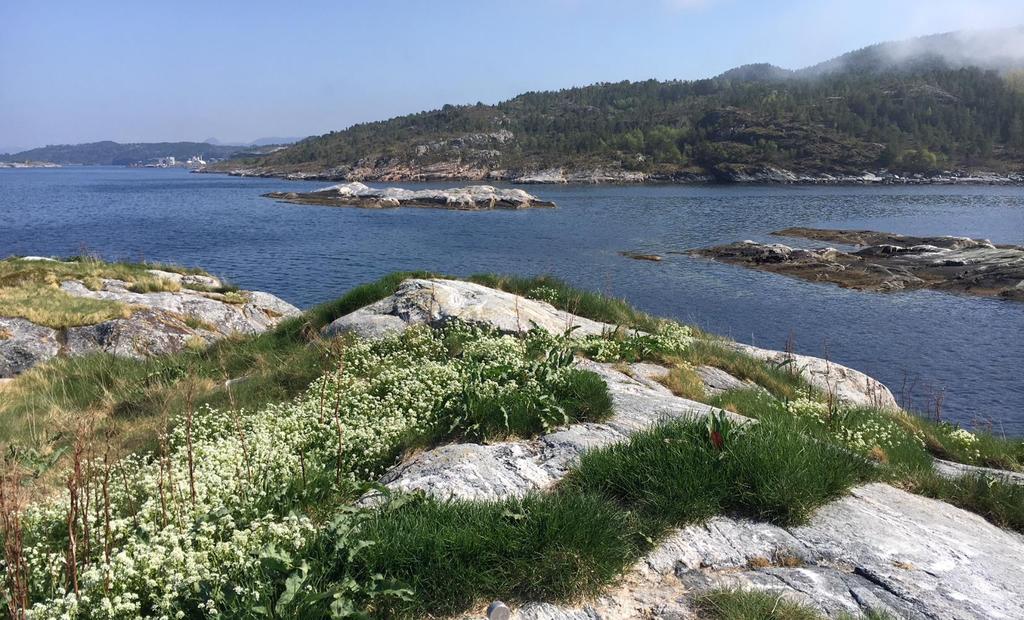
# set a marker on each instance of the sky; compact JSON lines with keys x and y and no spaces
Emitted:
{"x":135,"y":71}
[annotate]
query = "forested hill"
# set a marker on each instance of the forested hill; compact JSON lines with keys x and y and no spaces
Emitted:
{"x":902,"y":106}
{"x":117,"y":154}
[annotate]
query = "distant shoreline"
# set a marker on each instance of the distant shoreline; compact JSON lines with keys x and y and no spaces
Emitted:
{"x":767,"y":177}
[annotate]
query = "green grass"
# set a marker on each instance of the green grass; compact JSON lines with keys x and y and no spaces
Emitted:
{"x":990,"y":450}
{"x":133,"y":397}
{"x":31,"y":289}
{"x":735,"y":604}
{"x":781,"y":382}
{"x":48,"y":306}
{"x":682,"y":380}
{"x":457,"y":554}
{"x":749,"y":402}
{"x":880,"y":435}
{"x":583,"y":303}
{"x":668,"y":476}
{"x":608,"y":511}
{"x":782,"y":474}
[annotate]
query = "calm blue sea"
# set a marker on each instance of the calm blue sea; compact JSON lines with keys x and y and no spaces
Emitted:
{"x":922,"y":343}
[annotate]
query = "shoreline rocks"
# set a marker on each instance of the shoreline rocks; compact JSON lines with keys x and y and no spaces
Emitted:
{"x":878,"y":549}
{"x":727,"y":175}
{"x":887,"y":262}
{"x":471,"y":198}
{"x":436,"y":301}
{"x":155,"y":323}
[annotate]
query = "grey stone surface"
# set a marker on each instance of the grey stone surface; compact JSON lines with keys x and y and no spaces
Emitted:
{"x":888,"y":262}
{"x":145,"y":333}
{"x":157,"y":324}
{"x":512,"y":469}
{"x":716,"y":381}
{"x":473,"y":197}
{"x":436,"y":301}
{"x":187,"y":280}
{"x":847,"y":384}
{"x":24,"y":344}
{"x":950,"y":469}
{"x":256,"y":314}
{"x":877,"y":549}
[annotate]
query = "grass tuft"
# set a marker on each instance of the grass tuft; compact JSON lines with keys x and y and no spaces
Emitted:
{"x":736,"y":604}
{"x":781,"y":382}
{"x":455,"y":555}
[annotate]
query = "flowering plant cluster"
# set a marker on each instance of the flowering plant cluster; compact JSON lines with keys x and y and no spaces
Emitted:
{"x":857,"y":429}
{"x":206,"y":526}
{"x":670,"y":338}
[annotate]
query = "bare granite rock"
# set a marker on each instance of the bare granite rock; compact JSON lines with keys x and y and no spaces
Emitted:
{"x":514,"y":468}
{"x":437,"y":301}
{"x":848,"y":385}
{"x":949,"y":469}
{"x":471,"y":198}
{"x":24,"y":344}
{"x":879,"y":548}
{"x":716,"y":381}
{"x":155,"y":323}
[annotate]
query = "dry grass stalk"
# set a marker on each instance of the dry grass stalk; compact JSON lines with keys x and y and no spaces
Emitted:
{"x":17,"y":570}
{"x":189,"y":419}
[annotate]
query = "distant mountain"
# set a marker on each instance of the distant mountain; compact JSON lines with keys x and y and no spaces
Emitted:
{"x":999,"y":50}
{"x":950,"y":101}
{"x":117,"y":154}
{"x":257,"y":142}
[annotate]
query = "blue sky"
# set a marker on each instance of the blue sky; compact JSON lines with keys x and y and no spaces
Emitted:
{"x":147,"y":71}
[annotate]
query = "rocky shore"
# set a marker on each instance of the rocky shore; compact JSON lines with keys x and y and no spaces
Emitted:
{"x":879,"y":549}
{"x":28,"y":164}
{"x":152,"y":323}
{"x":471,"y":198}
{"x":887,"y":262}
{"x":752,"y":175}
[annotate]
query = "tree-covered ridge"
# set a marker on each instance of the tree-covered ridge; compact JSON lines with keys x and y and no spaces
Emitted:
{"x":924,"y":117}
{"x":110,"y":153}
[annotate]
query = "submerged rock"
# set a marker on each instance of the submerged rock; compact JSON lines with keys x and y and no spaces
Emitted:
{"x":471,"y":198}
{"x":888,"y":262}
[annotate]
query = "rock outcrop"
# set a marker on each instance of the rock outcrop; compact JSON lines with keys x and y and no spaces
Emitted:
{"x":888,"y":262}
{"x":879,"y":549}
{"x":471,"y":198}
{"x":512,"y":469}
{"x":154,"y":323}
{"x":846,"y":384}
{"x":436,"y":301}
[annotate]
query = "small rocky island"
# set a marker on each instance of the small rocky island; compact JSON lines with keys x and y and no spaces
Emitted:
{"x":471,"y":198}
{"x":887,"y":262}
